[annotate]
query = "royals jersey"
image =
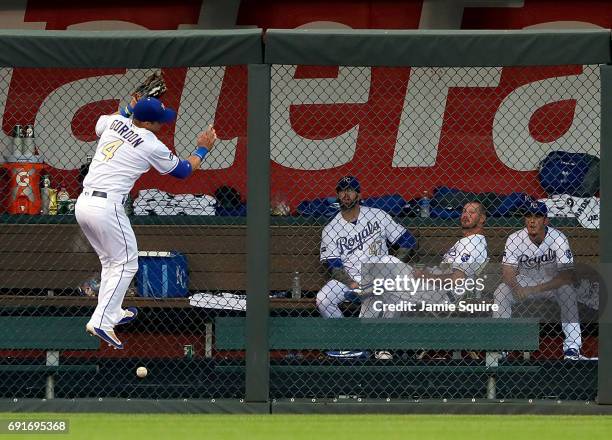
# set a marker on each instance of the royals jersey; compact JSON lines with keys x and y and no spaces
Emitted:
{"x":538,"y":263}
{"x":356,"y":243}
{"x":123,"y":154}
{"x":468,"y":255}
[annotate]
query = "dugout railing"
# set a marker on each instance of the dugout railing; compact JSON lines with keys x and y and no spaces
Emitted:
{"x":291,"y":123}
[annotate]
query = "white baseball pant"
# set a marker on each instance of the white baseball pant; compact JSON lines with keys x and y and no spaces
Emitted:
{"x":108,"y":229}
{"x":334,"y":292}
{"x":565,"y":297}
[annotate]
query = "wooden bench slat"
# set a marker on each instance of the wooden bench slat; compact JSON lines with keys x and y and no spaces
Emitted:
{"x":43,"y":279}
{"x":56,"y":261}
{"x":69,"y":238}
{"x":226,"y":281}
{"x":416,"y":333}
{"x":193,"y":244}
{"x":57,"y":256}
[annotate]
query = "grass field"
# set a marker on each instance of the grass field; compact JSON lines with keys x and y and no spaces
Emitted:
{"x":314,"y":427}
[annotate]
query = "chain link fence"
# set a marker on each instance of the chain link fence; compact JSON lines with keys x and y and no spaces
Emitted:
{"x":473,"y":192}
{"x":191,"y":238}
{"x":400,"y":266}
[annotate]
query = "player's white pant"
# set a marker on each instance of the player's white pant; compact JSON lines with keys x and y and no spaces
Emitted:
{"x":108,"y":229}
{"x":333,"y":293}
{"x":565,"y":297}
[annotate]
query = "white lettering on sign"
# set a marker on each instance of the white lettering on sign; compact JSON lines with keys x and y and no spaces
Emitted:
{"x":424,"y":106}
{"x":60,"y":148}
{"x":105,"y":25}
{"x":6,"y":74}
{"x":514,"y":144}
{"x":12,"y":16}
{"x":197,"y":109}
{"x":290,"y":149}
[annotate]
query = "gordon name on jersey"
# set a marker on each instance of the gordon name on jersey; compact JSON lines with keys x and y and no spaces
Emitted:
{"x":126,"y":132}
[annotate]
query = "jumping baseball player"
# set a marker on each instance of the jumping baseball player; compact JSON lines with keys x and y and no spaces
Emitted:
{"x":538,"y":263}
{"x":356,"y":235}
{"x":127,"y":148}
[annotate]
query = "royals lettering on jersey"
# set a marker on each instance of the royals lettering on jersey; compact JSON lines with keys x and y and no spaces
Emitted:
{"x":538,"y":263}
{"x":349,"y":245}
{"x":359,"y":242}
{"x":531,"y":262}
{"x":126,"y":133}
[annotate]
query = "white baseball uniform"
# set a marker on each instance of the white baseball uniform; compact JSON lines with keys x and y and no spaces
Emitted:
{"x":469,"y":255}
{"x":537,"y":265}
{"x":361,"y":242}
{"x":123,"y":154}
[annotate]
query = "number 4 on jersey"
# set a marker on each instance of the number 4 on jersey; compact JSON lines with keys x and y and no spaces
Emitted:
{"x":109,"y":149}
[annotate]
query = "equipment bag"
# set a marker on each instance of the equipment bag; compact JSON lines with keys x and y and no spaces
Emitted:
{"x":576,"y":174}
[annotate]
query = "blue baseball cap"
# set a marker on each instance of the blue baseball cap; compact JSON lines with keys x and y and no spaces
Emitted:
{"x":348,"y":182}
{"x":536,"y":208}
{"x":153,"y":110}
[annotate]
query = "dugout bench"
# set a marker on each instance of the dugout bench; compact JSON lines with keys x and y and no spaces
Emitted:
{"x":478,"y":334}
{"x":46,"y":257}
{"x":50,"y":334}
{"x":41,"y":259}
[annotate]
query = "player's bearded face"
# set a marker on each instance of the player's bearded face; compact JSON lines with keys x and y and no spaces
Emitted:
{"x":347,"y":198}
{"x":470,"y":218}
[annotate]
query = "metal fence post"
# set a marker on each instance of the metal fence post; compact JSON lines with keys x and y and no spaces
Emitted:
{"x":605,"y":240}
{"x":258,"y":233}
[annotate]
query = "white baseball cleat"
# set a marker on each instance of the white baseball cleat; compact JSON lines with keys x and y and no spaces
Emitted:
{"x":347,"y":354}
{"x":383,"y":355}
{"x":572,"y":354}
{"x":107,"y":336}
{"x":129,"y":315}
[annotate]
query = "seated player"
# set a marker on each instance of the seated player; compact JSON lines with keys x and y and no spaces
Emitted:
{"x":356,"y":235}
{"x":464,"y":260}
{"x":538,"y":263}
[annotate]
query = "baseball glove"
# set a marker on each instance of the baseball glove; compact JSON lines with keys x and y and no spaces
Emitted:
{"x":153,"y":86}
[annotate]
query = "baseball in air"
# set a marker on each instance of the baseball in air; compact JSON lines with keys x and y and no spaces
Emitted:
{"x":141,"y":372}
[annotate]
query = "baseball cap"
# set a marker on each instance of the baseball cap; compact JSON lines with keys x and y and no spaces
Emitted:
{"x":536,"y":208}
{"x":348,"y":182}
{"x":153,"y":110}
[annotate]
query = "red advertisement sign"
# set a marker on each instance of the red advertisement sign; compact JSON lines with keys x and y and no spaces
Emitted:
{"x":400,"y":130}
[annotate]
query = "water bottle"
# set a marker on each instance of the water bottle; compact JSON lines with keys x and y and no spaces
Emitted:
{"x":296,"y":290}
{"x":44,"y":195}
{"x":17,"y":140}
{"x":28,"y":143}
{"x":424,"y":205}
{"x":63,"y":201}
